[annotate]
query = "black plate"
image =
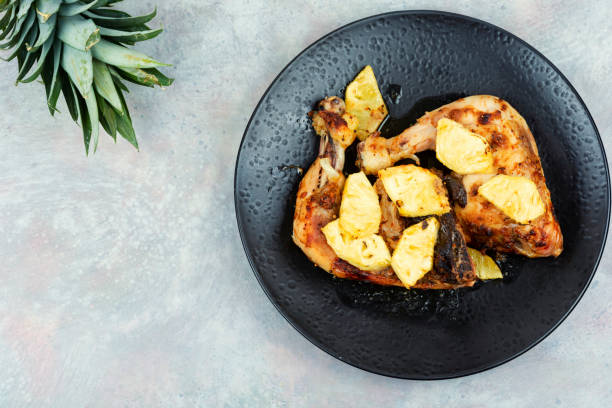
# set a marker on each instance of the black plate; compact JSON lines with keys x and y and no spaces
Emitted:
{"x":436,"y":57}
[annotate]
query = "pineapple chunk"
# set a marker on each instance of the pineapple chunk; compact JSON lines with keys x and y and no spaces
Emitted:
{"x":368,"y":254}
{"x":416,"y":191}
{"x":360,"y":210}
{"x":517,"y":197}
{"x":462,"y":151}
{"x":413,"y":257}
{"x":485,"y":266}
{"x":364,"y":100}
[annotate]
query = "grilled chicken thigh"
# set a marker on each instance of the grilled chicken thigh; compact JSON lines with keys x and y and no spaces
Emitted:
{"x":514,"y":153}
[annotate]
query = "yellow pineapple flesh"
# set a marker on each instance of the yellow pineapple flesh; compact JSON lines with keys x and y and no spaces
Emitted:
{"x":369,"y":253}
{"x":415,"y":191}
{"x":517,"y":197}
{"x":364,"y":100}
{"x":413,"y":256}
{"x":461,"y":150}
{"x":360,"y":210}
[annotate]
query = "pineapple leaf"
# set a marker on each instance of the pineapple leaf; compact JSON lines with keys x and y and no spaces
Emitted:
{"x":55,"y":85}
{"x":104,"y":85}
{"x":70,"y":96}
{"x":110,"y":13}
{"x":108,"y":2}
{"x":47,"y":9}
{"x":137,"y":76}
{"x":47,"y":74}
{"x":118,"y":83}
{"x":92,"y":109}
{"x":6,"y":19}
{"x":117,"y":55}
{"x":117,"y":22}
{"x":45,"y":29}
{"x":78,"y":7}
{"x":129,"y":36}
{"x":137,"y":27}
{"x":79,"y":67}
{"x":85,"y":122}
{"x":30,"y":59}
{"x":10,"y":25}
{"x":41,"y":61}
{"x":4,"y":4}
{"x":78,"y":32}
{"x":162,"y":80}
{"x":19,"y":20}
{"x":19,"y":35}
{"x":146,"y":77}
{"x":79,"y":48}
{"x":24,"y":6}
{"x":124,"y":124}
{"x":108,"y":117}
{"x":126,"y":130}
{"x":21,"y":56}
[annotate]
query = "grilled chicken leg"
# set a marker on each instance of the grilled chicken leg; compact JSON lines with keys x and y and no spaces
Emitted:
{"x":318,"y":203}
{"x":514,"y":153}
{"x":320,"y":193}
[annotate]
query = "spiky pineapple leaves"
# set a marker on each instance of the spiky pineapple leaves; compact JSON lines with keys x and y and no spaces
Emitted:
{"x":41,"y":60}
{"x":78,"y":49}
{"x":46,"y":13}
{"x":20,"y":30}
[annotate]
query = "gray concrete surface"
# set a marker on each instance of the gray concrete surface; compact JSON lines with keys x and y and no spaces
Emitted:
{"x":123,"y":282}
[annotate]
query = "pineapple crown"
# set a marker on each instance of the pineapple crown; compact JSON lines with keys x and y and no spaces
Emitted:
{"x":78,"y":48}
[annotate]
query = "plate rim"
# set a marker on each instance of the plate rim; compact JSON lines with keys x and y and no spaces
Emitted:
{"x":322,"y":346}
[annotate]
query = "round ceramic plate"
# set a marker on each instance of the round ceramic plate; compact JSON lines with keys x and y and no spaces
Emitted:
{"x":436,"y":58}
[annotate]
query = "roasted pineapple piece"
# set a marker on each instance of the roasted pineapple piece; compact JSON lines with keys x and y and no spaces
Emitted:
{"x":416,"y":191}
{"x":360,"y":210}
{"x":369,"y":253}
{"x":461,"y":150}
{"x":363,"y":100}
{"x":517,"y":197}
{"x":485,"y":266}
{"x":413,"y":257}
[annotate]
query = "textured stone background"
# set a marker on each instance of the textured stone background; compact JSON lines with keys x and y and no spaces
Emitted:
{"x":123,"y":281}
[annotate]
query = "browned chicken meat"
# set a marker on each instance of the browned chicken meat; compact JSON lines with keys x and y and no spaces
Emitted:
{"x":318,"y":203}
{"x":513,"y":152}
